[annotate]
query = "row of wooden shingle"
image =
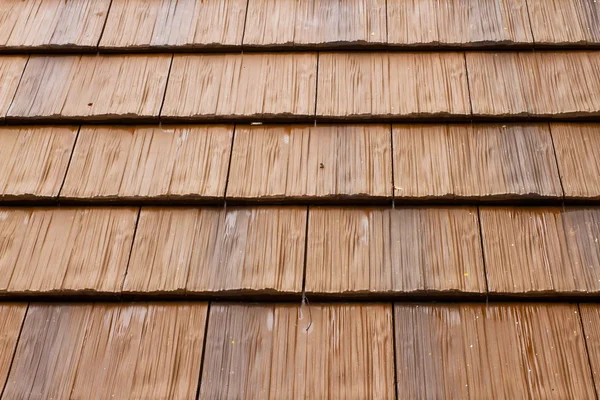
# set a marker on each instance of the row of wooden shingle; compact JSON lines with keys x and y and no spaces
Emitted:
{"x":342,"y":252}
{"x":189,"y":24}
{"x":296,"y":164}
{"x":287,"y":351}
{"x":276,"y":86}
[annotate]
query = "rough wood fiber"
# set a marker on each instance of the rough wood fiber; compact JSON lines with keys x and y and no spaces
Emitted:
{"x":565,"y":21}
{"x":388,"y":85}
{"x":11,"y":319}
{"x":590,"y":317}
{"x":11,"y":69}
{"x":248,"y":250}
{"x":496,"y":351}
{"x":64,"y":250}
{"x":34,"y":161}
{"x":139,"y":163}
{"x":461,"y":23}
{"x":484,"y":162}
{"x":301,"y":162}
{"x":578,"y":153}
{"x":241,"y":86}
{"x":542,"y":250}
{"x":289,"y":352}
{"x":103,"y":351}
{"x":95,"y":88}
{"x":542,"y":84}
{"x":405,"y":250}
{"x":275,"y":23}
{"x":144,"y":24}
{"x":50,"y":24}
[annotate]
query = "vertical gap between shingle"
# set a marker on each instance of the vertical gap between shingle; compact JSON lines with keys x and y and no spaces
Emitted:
{"x":135,"y":228}
{"x":387,"y":35}
{"x":103,"y":26}
{"x":530,"y":24}
{"x":468,"y":85}
{"x":162,"y":104}
{"x":229,"y":165}
{"x":395,"y":351}
{"x":485,"y":275}
{"x":12,"y":360}
{"x":587,"y":350}
{"x":392,"y":158}
{"x":69,"y":162}
{"x":305,"y":254}
{"x":316,"y":87}
{"x":18,"y":86}
{"x":245,"y":20}
{"x":203,"y":350}
{"x":562,"y":187}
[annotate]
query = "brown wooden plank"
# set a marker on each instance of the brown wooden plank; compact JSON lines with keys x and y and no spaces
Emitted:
{"x":241,"y":86}
{"x":496,"y":351}
{"x":51,"y":24}
{"x":458,"y":23}
{"x":142,"y":24}
{"x":91,"y":88}
{"x":484,"y":162}
{"x":402,"y":251}
{"x":578,"y":153}
{"x":320,"y":23}
{"x":564,"y":22}
{"x":11,"y":69}
{"x":590,"y":317}
{"x":302,"y":162}
{"x":392,"y":85}
{"x":233,"y":250}
{"x":177,"y":162}
{"x":542,"y":250}
{"x":103,"y":351}
{"x":64,"y":250}
{"x":11,"y":320}
{"x":34,"y":160}
{"x":543,"y":84}
{"x":334,"y":351}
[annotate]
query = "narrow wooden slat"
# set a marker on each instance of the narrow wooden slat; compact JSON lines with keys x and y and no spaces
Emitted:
{"x":578,"y":154}
{"x":34,"y":161}
{"x":496,"y":351}
{"x":103,"y":351}
{"x":363,"y":251}
{"x":322,"y":351}
{"x":542,"y":84}
{"x":64,"y":250}
{"x":484,"y":162}
{"x":392,"y":85}
{"x":51,"y":24}
{"x":233,"y":250}
{"x":91,"y":88}
{"x":542,"y":250}
{"x":11,"y":69}
{"x":11,"y":319}
{"x":320,"y":23}
{"x":565,"y":22}
{"x":241,"y":86}
{"x":590,"y":317}
{"x":460,"y":23}
{"x":141,"y":24}
{"x":300,"y":163}
{"x":141,"y":163}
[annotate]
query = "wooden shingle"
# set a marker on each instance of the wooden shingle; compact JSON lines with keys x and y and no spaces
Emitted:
{"x":241,"y":86}
{"x":303,"y":162}
{"x":142,"y":24}
{"x":590,"y":318}
{"x":334,"y":351}
{"x":142,"y":163}
{"x":542,"y":250}
{"x":392,"y":85}
{"x":11,"y":70}
{"x":34,"y":161}
{"x":91,"y":88}
{"x":560,"y":22}
{"x":484,"y":162}
{"x":11,"y":320}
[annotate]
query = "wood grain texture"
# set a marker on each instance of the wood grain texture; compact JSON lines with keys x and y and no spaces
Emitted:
{"x":103,"y":351}
{"x":51,"y":24}
{"x":496,"y":351}
{"x":233,"y":250}
{"x":175,"y":162}
{"x":564,"y":22}
{"x":143,"y":24}
{"x":91,"y":88}
{"x":11,"y":320}
{"x":403,"y":250}
{"x":34,"y":161}
{"x":483,"y":162}
{"x":302,"y":162}
{"x":241,"y":86}
{"x":577,"y":149}
{"x":335,"y":351}
{"x":540,"y":84}
{"x":590,"y":318}
{"x":388,"y":85}
{"x":11,"y":69}
{"x":460,"y":23}
{"x":287,"y":23}
{"x":64,"y":250}
{"x":542,"y":250}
